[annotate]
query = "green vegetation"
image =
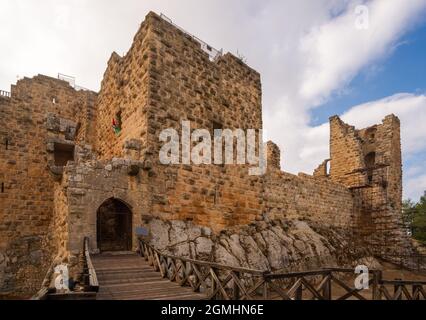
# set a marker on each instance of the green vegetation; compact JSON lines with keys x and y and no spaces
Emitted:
{"x":415,"y":217}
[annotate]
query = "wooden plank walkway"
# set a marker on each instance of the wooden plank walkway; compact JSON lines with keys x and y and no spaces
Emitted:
{"x":127,"y":276}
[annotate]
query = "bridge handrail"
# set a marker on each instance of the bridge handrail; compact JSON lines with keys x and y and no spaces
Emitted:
{"x":203,"y":263}
{"x":45,"y":287}
{"x":89,"y":272}
{"x":415,"y":262}
{"x":89,"y":277}
{"x":226,"y":282}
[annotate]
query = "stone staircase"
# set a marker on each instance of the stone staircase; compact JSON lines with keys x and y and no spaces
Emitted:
{"x":127,"y":276}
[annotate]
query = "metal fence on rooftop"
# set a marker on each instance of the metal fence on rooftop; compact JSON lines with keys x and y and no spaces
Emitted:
{"x":212,"y":52}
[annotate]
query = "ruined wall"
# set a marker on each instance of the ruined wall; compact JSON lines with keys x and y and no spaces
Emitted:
{"x":305,"y":197}
{"x":368,"y":162}
{"x":26,"y":200}
{"x":346,"y":154}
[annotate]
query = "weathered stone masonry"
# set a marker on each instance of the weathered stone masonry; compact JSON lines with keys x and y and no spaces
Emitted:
{"x":27,"y":196}
{"x":60,"y":161}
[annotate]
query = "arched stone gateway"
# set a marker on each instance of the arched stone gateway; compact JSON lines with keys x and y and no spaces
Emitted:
{"x":114,"y":226}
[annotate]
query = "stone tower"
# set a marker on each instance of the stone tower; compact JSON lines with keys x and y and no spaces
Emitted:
{"x":368,"y":162}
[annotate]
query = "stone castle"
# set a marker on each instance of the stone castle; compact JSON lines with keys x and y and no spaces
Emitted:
{"x":75,"y":163}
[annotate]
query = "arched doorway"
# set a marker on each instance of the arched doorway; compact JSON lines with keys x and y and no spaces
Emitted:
{"x":114,"y":226}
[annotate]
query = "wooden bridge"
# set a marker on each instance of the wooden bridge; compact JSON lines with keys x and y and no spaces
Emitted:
{"x":153,"y":275}
{"x":128,"y":277}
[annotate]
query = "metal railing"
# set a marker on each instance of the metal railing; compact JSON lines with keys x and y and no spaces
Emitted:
{"x":212,"y":52}
{"x":5,"y":94}
{"x":71,"y":82}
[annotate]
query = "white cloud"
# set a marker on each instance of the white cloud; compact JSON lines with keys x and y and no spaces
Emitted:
{"x":411,"y":110}
{"x":337,"y":50}
{"x":330,"y":54}
{"x":415,"y":187}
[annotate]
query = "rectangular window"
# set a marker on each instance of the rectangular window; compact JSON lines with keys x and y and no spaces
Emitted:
{"x":63,"y":153}
{"x":217,"y":126}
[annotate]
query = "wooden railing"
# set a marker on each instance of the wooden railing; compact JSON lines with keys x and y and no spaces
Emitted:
{"x":45,"y":286}
{"x":88,"y":277}
{"x":220,"y":282}
{"x":4,"y":94}
{"x":416,"y":262}
{"x":90,"y":280}
{"x":326,"y":284}
{"x":402,"y":290}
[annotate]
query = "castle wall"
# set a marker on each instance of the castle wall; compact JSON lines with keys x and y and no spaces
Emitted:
{"x":304,"y":197}
{"x":346,"y":154}
{"x":48,"y":207}
{"x":167,"y":78}
{"x":224,"y":93}
{"x":88,"y":185}
{"x":26,"y":199}
{"x":124,"y":94}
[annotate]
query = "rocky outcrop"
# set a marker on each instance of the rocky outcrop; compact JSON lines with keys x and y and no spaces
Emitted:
{"x":264,"y":245}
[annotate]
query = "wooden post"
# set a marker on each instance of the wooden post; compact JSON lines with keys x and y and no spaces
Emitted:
{"x":299,"y":292}
{"x":377,"y":278}
{"x":265,"y":290}
{"x":414,"y":292}
{"x":396,"y":288}
{"x":213,"y":284}
{"x":327,"y":288}
{"x":236,"y":288}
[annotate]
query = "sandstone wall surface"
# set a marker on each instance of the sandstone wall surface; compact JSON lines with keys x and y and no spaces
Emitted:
{"x":28,"y":131}
{"x":306,"y":197}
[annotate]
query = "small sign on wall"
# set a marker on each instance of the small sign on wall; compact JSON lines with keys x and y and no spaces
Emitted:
{"x":142,"y":232}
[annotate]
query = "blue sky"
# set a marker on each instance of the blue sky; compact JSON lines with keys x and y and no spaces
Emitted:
{"x":402,"y":70}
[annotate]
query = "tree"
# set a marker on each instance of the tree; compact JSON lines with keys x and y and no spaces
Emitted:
{"x":414,"y":216}
{"x":408,"y":213}
{"x":419,"y":221}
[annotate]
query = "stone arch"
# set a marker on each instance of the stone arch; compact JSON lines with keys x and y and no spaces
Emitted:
{"x":114,"y":220}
